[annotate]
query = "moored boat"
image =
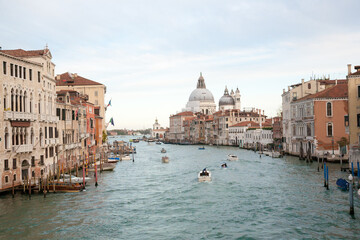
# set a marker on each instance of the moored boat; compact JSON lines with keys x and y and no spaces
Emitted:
{"x":125,"y":158}
{"x":204,"y":175}
{"x":201,"y":148}
{"x":65,"y":187}
{"x":232,"y":157}
{"x":342,"y":184}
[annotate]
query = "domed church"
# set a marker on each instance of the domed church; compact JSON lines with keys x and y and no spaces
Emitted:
{"x":230,"y":101}
{"x":201,"y":99}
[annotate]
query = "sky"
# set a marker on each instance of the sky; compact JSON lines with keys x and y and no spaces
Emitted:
{"x":149,"y":54}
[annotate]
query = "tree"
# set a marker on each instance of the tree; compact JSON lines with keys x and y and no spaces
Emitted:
{"x":104,"y":137}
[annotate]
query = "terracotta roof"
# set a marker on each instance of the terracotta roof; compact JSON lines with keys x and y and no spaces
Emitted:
{"x":67,"y":79}
{"x":188,"y":113}
{"x":355,"y":73}
{"x":24,"y":53}
{"x":246,"y":124}
{"x":338,"y":91}
{"x":332,"y":82}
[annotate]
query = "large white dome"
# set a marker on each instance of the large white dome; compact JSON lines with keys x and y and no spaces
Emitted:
{"x":202,"y":95}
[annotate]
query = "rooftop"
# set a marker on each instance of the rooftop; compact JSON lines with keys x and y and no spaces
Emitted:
{"x":67,"y":79}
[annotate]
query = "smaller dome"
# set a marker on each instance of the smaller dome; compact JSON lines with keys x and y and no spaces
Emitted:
{"x":226,"y":100}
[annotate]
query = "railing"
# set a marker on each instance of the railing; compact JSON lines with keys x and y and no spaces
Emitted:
{"x":23,"y":148}
{"x":11,"y":115}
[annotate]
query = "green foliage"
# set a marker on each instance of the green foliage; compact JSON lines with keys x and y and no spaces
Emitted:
{"x":104,"y":136}
{"x":343,"y":142}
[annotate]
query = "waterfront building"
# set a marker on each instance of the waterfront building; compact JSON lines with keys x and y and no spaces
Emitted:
{"x":293,"y":93}
{"x":318,"y":122}
{"x":72,"y":128}
{"x":157,"y":131}
{"x":353,"y":120}
{"x":201,"y":99}
{"x":224,"y":119}
{"x":28,"y":124}
{"x":237,"y":132}
{"x":94,"y":90}
{"x":277,"y":133}
{"x":176,"y":130}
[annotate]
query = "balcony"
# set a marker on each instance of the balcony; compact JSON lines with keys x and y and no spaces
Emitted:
{"x":23,"y":116}
{"x":23,"y":148}
{"x":52,"y":141}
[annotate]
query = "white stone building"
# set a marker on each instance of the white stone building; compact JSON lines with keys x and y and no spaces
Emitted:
{"x":157,"y":131}
{"x":28,"y":124}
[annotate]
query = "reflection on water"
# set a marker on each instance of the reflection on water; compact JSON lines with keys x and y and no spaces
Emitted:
{"x":146,"y":199}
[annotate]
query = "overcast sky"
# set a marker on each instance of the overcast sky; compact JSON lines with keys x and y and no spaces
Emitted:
{"x":149,"y":53}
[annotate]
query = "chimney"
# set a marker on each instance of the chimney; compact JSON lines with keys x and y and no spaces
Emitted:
{"x":75,"y":75}
{"x":288,"y":88}
{"x":335,"y":81}
{"x":58,"y":77}
{"x":349,"y":69}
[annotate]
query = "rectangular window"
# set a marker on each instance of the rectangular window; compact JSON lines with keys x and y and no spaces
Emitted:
{"x":33,"y":161}
{"x":45,"y":132}
{"x":63,"y":114}
{"x":24,"y":72}
{"x":51,"y":133}
{"x":20,"y":72}
{"x":30,"y":74}
{"x":11,"y":69}
{"x":329,"y":129}
{"x":14,"y":163}
{"x":46,"y":153}
{"x":6,"y":164}
{"x":16,"y":70}
{"x":358,"y":120}
{"x":73,"y":115}
{"x":39,"y":76}
{"x":41,"y":159}
{"x":56,"y":133}
{"x":96,"y":93}
{"x":346,"y":120}
{"x":4,"y":68}
{"x":58,"y":112}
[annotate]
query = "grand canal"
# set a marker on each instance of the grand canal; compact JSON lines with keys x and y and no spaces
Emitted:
{"x":254,"y":198}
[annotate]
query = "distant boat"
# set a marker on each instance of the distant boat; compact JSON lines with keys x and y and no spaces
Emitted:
{"x":342,"y":184}
{"x":224,"y":165}
{"x":159,"y":143}
{"x":104,"y":166}
{"x":125,"y":158}
{"x":232,"y":157}
{"x":204,"y":175}
{"x":114,"y":158}
{"x":201,"y":148}
{"x":165,"y":159}
{"x":163,"y":150}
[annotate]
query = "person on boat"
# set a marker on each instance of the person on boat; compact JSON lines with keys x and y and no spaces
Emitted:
{"x":224,"y":165}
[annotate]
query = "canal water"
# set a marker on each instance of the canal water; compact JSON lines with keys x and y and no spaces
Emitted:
{"x":254,"y":198}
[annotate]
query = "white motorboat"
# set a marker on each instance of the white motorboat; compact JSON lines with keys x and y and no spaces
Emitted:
{"x":163,"y":150}
{"x":125,"y":158}
{"x":204,"y":175}
{"x":232,"y":157}
{"x":165,"y":159}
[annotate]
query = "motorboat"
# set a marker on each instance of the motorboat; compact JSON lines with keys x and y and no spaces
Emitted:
{"x":125,"y":158}
{"x":163,"y":150}
{"x":159,"y":143}
{"x":342,"y":184}
{"x":165,"y":159}
{"x":201,"y":148}
{"x":224,"y":165}
{"x":113,"y":160}
{"x":65,"y":187}
{"x":232,"y":157}
{"x":204,"y":175}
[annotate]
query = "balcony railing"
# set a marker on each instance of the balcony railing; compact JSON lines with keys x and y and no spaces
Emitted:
{"x":11,"y":115}
{"x":23,"y":148}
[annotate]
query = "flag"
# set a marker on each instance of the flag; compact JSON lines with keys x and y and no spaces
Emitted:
{"x":109,"y":104}
{"x":112,"y":121}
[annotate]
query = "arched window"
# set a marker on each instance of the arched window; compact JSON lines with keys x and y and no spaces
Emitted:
{"x":32,"y":136}
{"x":6,"y":137}
{"x":20,"y":102}
{"x":39,"y":104}
{"x":24,"y":101}
{"x":328,"y":109}
{"x":309,"y":85}
{"x":330,"y":129}
{"x":12,"y":99}
{"x":16,"y":101}
{"x":5,"y":99}
{"x":30,"y":103}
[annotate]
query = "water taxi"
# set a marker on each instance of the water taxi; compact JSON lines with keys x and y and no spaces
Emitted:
{"x":163,"y":150}
{"x":232,"y":157}
{"x":204,"y":175}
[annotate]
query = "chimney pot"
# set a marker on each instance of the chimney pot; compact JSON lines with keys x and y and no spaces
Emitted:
{"x":349,"y":68}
